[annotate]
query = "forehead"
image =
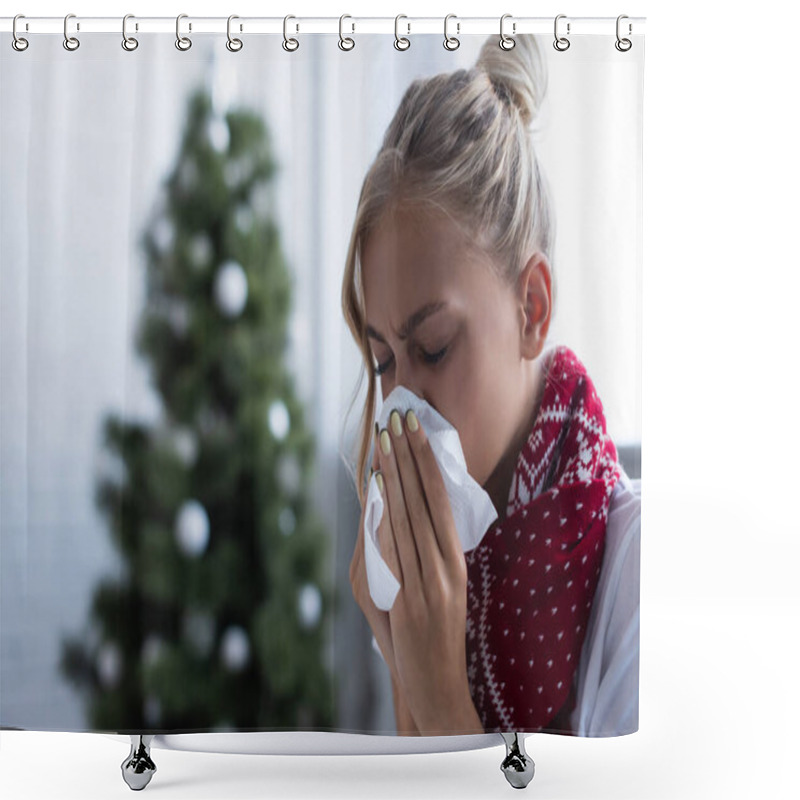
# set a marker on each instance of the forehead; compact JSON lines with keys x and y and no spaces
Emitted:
{"x":416,"y":232}
{"x":411,"y":256}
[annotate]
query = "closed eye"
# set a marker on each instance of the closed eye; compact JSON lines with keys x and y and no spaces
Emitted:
{"x":430,"y":358}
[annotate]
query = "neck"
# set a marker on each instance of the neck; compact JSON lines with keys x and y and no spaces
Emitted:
{"x":498,"y":485}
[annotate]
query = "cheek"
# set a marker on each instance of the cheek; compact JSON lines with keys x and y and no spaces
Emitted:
{"x":485,"y":399}
{"x":471,"y":397}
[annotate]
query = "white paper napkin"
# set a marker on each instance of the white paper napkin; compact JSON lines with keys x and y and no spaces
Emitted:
{"x":473,"y":511}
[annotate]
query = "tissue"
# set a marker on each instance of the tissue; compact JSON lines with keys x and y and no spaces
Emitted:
{"x":473,"y":511}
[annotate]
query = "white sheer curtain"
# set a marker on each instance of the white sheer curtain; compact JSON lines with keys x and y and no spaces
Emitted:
{"x":87,"y":138}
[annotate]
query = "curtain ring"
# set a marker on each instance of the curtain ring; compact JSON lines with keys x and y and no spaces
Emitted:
{"x":18,"y":43}
{"x":451,"y":42}
{"x":623,"y":45}
{"x":70,"y":42}
{"x":182,"y":42}
{"x":400,"y":42}
{"x":561,"y":43}
{"x":234,"y":45}
{"x":346,"y":43}
{"x":290,"y":45}
{"x":129,"y":43}
{"x":507,"y":42}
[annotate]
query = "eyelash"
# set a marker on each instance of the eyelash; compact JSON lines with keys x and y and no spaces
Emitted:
{"x":430,"y":358}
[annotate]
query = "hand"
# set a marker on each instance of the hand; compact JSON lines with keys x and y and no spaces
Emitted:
{"x":429,"y":616}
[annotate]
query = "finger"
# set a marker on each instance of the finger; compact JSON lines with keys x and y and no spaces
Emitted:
{"x":375,"y":463}
{"x":373,"y":469}
{"x":423,"y":535}
{"x":401,"y":524}
{"x":375,"y":459}
{"x":359,"y":549}
{"x":386,"y":541}
{"x":435,"y":492}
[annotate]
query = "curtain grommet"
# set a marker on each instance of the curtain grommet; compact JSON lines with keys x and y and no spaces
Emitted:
{"x":129,"y":43}
{"x":561,"y":43}
{"x":401,"y":42}
{"x":451,"y":42}
{"x":182,"y":42}
{"x":70,"y":43}
{"x":233,"y":44}
{"x":19,"y":43}
{"x":507,"y":42}
{"x":345,"y":42}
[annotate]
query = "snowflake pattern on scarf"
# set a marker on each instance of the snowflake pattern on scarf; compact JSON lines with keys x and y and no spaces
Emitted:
{"x":532,"y":578}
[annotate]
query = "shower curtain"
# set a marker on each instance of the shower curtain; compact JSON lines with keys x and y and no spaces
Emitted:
{"x":209,"y":243}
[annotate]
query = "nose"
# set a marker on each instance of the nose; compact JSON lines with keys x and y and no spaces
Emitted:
{"x":406,"y":376}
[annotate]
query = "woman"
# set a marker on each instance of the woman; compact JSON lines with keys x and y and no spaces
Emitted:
{"x":448,"y":291}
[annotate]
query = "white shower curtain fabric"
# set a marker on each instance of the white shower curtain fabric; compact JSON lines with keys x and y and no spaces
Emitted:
{"x":181,"y":395}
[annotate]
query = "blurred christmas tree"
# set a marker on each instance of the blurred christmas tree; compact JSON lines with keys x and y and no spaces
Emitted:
{"x":218,"y":620}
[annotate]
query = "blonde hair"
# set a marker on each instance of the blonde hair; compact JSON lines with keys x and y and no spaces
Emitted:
{"x":459,"y":144}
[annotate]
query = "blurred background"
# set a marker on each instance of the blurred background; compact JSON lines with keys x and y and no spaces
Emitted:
{"x":179,"y":389}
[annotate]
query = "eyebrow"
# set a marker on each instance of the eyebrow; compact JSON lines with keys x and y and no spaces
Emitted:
{"x":412,"y":322}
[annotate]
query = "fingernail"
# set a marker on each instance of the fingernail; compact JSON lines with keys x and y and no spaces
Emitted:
{"x":412,"y":421}
{"x":386,"y":445}
{"x":379,"y":479}
{"x":396,"y":423}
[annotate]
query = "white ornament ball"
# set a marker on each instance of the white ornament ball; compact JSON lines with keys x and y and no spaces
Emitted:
{"x":200,"y":250}
{"x":198,"y":631}
{"x":152,"y":649}
{"x":238,"y":171}
{"x":235,"y":648}
{"x":178,"y":316}
{"x":243,"y":217}
{"x":279,"y":419}
{"x":287,"y":521}
{"x":218,"y":133}
{"x":289,"y":476}
{"x":163,"y":235}
{"x":192,"y":528}
{"x":261,"y":199}
{"x":184,"y":442}
{"x":230,"y":289}
{"x":309,"y":605}
{"x":109,"y":664}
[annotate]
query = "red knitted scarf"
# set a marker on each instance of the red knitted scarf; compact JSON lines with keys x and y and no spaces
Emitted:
{"x":532,"y":578}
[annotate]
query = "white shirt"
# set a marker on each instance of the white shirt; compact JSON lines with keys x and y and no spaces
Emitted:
{"x":608,"y":674}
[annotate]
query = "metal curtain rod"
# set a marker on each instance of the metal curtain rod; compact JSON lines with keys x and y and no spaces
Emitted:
{"x":275,"y":25}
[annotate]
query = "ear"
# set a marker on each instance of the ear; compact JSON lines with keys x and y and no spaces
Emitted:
{"x":535,"y":298}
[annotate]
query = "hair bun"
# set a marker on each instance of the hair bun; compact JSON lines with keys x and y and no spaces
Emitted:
{"x":518,"y":75}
